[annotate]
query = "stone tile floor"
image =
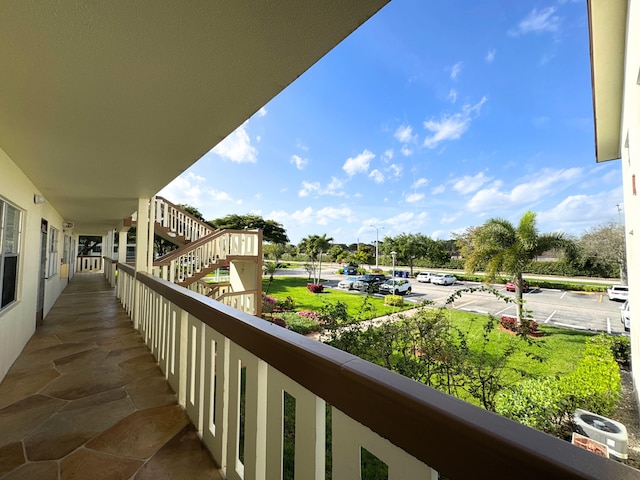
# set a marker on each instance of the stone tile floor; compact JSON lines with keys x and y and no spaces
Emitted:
{"x":86,"y":400}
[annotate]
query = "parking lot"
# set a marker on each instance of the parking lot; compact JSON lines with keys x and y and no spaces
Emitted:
{"x":567,"y":309}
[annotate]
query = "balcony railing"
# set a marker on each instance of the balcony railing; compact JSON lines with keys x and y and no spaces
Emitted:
{"x":206,"y":349}
{"x":88,"y":263}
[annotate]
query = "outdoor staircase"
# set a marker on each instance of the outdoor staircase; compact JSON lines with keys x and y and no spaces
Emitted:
{"x":201,"y":251}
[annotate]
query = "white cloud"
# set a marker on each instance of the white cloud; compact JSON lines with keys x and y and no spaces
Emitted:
{"x":437,"y":190}
{"x":545,"y":182}
{"x":307,"y":188}
{"x":578,"y":212}
{"x":377,"y":176}
{"x":395,"y":170}
{"x":333,"y":188}
{"x":404,"y":134}
{"x":184,"y":189}
{"x":453,"y":95}
{"x":359,"y":164}
{"x":299,"y":162}
{"x":414,"y":197}
{"x":262,"y":112}
{"x":451,"y":127}
{"x":421,"y":182}
{"x":447,"y":219}
{"x":469,"y":184}
{"x":538,"y":22}
{"x":455,"y":70}
{"x":491,"y":55}
{"x":406,"y":222}
{"x":406,"y":151}
{"x":387,"y":156}
{"x":328,"y":214}
{"x":237,"y":147}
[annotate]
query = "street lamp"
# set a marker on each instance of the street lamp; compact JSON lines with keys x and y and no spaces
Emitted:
{"x":373,"y":226}
{"x":393,"y":265}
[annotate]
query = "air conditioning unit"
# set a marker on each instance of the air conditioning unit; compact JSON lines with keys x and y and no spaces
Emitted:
{"x":604,"y":430}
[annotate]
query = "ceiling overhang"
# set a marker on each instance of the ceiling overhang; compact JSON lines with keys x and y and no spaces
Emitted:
{"x":607,"y":32}
{"x":102,"y":103}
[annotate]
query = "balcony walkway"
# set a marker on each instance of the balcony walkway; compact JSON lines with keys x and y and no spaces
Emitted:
{"x":86,"y":400}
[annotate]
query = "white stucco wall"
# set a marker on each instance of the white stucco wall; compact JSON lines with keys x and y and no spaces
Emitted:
{"x":18,"y":321}
{"x":630,"y":142}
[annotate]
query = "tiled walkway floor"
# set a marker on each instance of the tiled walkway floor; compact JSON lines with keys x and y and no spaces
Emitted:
{"x":86,"y":400}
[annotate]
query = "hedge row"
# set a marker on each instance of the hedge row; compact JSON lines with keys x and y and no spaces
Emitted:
{"x":548,"y":404}
{"x":559,"y":268}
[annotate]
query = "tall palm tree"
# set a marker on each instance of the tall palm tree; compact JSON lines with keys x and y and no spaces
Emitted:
{"x":322,"y":244}
{"x":503,"y":248}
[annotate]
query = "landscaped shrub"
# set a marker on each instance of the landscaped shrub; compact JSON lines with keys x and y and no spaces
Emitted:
{"x":315,"y":287}
{"x":285,"y":305}
{"x":621,"y":349}
{"x":302,"y":324}
{"x":526,"y":327}
{"x":268,"y":303}
{"x":548,"y":404}
{"x":393,"y":300}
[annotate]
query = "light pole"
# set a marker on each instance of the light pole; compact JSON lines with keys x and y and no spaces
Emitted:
{"x":393,"y":265}
{"x":373,"y":226}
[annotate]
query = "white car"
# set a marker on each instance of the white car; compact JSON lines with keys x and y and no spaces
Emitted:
{"x":618,"y":292}
{"x":395,"y":287}
{"x":443,"y":279}
{"x":625,"y":316}
{"x":347,"y":282}
{"x":425,"y":277}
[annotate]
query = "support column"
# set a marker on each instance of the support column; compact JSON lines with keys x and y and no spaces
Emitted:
{"x":122,"y":245}
{"x":151,"y":235}
{"x":142,"y":235}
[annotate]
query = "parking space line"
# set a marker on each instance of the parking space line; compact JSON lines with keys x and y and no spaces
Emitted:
{"x":465,"y":304}
{"x":600,"y":299}
{"x":608,"y":325}
{"x":578,"y":327}
{"x":474,"y":311}
{"x":550,"y":316}
{"x":504,"y":310}
{"x":563,"y":294}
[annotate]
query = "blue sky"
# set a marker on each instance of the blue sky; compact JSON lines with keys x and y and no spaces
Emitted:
{"x":430,"y":118}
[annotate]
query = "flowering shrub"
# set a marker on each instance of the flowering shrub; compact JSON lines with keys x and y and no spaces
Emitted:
{"x":279,"y":321}
{"x":268,"y":303}
{"x":315,"y":287}
{"x":526,"y":327}
{"x":309,"y":314}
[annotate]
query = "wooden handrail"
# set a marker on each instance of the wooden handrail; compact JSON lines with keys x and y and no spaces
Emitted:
{"x":456,"y":438}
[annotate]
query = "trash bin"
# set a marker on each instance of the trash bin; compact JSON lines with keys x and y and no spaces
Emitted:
{"x":406,"y":274}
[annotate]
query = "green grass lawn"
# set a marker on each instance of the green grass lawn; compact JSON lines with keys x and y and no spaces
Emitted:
{"x":296,"y":288}
{"x":560,"y":348}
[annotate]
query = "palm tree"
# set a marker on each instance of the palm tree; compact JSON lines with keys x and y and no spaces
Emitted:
{"x":499,"y":246}
{"x":322,"y":244}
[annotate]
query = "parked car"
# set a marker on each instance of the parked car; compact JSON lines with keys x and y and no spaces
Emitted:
{"x":625,"y":316}
{"x":350,"y":270}
{"x":618,"y":292}
{"x":511,"y":286}
{"x":394,"y":286}
{"x":425,"y":277}
{"x":443,"y":279}
{"x":348,"y":282}
{"x":369,"y":282}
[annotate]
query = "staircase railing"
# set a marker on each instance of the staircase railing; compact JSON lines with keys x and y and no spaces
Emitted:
{"x":193,"y":261}
{"x":177,"y":221}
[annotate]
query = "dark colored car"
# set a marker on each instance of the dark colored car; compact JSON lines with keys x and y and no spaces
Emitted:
{"x":350,"y":270}
{"x":369,"y":282}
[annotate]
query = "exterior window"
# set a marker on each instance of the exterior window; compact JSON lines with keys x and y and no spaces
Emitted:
{"x":52,"y":268}
{"x":10,"y":230}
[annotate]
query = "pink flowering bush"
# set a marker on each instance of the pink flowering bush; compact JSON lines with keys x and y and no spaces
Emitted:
{"x":315,"y":287}
{"x":526,"y":327}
